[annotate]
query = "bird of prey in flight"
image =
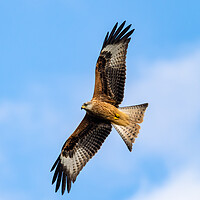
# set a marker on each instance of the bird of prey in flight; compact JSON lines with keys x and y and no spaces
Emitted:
{"x":102,"y":112}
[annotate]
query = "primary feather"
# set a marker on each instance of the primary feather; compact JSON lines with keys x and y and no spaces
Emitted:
{"x":102,"y":111}
{"x":110,"y":71}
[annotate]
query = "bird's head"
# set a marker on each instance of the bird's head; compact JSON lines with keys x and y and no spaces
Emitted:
{"x":87,"y":106}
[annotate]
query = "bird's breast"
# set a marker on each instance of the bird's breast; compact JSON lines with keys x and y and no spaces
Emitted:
{"x":109,"y":112}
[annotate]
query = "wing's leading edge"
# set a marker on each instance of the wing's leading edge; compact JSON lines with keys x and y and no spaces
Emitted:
{"x":80,"y":147}
{"x":110,"y":73}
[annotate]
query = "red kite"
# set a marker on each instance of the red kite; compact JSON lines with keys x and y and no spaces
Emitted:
{"x":102,"y":111}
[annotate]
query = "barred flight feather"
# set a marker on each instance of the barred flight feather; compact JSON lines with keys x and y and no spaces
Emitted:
{"x":111,"y":66}
{"x":87,"y":139}
{"x":86,"y":147}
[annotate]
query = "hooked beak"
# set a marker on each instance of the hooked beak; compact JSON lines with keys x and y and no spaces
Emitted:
{"x":82,"y":107}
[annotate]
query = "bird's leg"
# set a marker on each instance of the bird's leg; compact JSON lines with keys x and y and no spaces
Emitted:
{"x":116,"y":116}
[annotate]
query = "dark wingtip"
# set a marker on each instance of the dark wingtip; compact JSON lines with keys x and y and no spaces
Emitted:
{"x":54,"y":165}
{"x":56,"y":173}
{"x":126,"y":37}
{"x":105,"y":40}
{"x":58,"y":181}
{"x":68,"y":184}
{"x":124,"y":22}
{"x":61,"y":176}
{"x":63,"y":183}
{"x":119,"y":37}
{"x":54,"y":177}
{"x":146,"y":105}
{"x":112,"y":33}
{"x":118,"y":34}
{"x":130,"y":147}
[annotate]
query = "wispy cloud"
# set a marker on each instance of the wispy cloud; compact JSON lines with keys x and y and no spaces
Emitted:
{"x":170,"y":128}
{"x":13,"y":195}
{"x":182,"y":185}
{"x":171,"y":88}
{"x":28,"y":116}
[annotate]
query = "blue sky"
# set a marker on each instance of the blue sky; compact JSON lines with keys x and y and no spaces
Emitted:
{"x":48,"y":51}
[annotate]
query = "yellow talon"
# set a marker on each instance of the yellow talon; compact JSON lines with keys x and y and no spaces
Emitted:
{"x":116,"y":116}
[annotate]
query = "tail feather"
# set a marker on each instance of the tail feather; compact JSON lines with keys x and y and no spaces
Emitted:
{"x":136,"y":113}
{"x":130,"y":132}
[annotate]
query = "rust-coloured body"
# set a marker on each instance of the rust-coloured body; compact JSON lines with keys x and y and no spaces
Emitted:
{"x":109,"y":112}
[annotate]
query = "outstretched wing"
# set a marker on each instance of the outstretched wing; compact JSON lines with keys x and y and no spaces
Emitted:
{"x":110,"y":73}
{"x":79,"y":148}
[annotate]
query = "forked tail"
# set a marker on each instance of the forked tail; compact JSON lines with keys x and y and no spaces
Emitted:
{"x":130,"y":132}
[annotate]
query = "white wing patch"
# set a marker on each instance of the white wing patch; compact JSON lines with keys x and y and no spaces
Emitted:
{"x":118,"y":52}
{"x":74,"y":165}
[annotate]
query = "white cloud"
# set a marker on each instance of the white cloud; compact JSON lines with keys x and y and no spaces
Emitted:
{"x":28,"y":115}
{"x":183,"y":185}
{"x":170,"y":127}
{"x":172,"y":89}
{"x":13,"y":195}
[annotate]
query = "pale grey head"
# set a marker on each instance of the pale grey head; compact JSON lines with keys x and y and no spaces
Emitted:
{"x":87,"y":106}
